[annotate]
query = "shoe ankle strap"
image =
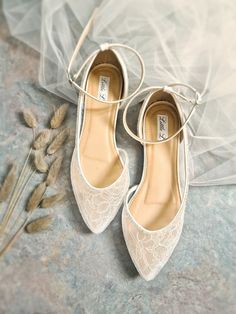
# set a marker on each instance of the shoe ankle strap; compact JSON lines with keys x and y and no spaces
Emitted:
{"x":169,"y":89}
{"x":103,"y":47}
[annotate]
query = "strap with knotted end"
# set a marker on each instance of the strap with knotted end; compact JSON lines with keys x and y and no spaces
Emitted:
{"x":169,"y":89}
{"x":103,"y":47}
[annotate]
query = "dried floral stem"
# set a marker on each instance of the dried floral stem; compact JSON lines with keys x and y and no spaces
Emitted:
{"x":31,"y":121}
{"x":20,"y":213}
{"x":10,"y":209}
{"x":14,"y":237}
{"x":14,"y":201}
{"x":31,"y":206}
{"x":8,"y":184}
{"x":21,"y":176}
{"x":33,"y":130}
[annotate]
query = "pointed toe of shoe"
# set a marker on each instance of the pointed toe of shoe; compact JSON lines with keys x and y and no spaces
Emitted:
{"x":96,"y":228}
{"x":98,"y":206}
{"x":139,"y":251}
{"x":96,"y":217}
{"x":149,"y":250}
{"x":149,"y":276}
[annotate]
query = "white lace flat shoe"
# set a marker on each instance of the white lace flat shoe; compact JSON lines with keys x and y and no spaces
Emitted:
{"x":99,"y":170}
{"x":153,"y":213}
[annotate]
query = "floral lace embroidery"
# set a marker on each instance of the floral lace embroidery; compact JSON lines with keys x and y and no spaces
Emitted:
{"x":99,"y":206}
{"x":151,"y":250}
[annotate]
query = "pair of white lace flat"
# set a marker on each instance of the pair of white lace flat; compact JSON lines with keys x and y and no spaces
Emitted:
{"x":153,"y":211}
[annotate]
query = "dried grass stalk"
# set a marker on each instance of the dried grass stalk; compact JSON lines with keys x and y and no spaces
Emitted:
{"x":42,"y":139}
{"x":59,"y":116}
{"x":58,"y":141}
{"x":36,"y":197}
{"x":53,"y":200}
{"x":8,"y":184}
{"x":39,"y":162}
{"x":54,"y":171}
{"x":39,"y":224}
{"x":13,"y":238}
{"x":29,"y":118}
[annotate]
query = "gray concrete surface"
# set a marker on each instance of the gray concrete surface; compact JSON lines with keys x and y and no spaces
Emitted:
{"x":69,"y":270}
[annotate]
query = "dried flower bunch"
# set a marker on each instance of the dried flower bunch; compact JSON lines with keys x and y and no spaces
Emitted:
{"x":12,"y":189}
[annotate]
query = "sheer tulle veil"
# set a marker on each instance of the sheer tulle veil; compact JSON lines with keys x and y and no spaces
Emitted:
{"x":184,"y":41}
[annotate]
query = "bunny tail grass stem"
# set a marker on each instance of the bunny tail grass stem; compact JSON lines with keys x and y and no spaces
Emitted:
{"x":34,"y":135}
{"x":15,"y":223}
{"x":17,"y":220}
{"x":20,"y":186}
{"x":20,"y":178}
{"x":14,"y":237}
{"x":13,"y":204}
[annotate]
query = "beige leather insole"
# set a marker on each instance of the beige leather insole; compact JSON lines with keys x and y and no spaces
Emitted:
{"x":157,"y":198}
{"x":98,"y":154}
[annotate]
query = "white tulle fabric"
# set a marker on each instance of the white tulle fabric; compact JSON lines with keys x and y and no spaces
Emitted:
{"x":99,"y":206}
{"x":184,"y":41}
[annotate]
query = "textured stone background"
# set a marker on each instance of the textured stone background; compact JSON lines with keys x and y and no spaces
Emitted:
{"x":69,"y":270}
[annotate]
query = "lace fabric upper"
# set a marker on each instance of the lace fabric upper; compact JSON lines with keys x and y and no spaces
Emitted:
{"x":150,"y":250}
{"x":99,"y":206}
